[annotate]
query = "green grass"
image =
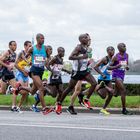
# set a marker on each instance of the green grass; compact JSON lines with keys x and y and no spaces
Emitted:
{"x":96,"y":101}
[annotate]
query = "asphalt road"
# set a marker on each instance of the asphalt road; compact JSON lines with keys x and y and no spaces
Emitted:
{"x":84,"y":126}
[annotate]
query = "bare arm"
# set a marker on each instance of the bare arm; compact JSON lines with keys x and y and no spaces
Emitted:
{"x":2,"y":58}
{"x":19,"y":58}
{"x":96,"y":67}
{"x":51,"y":62}
{"x":111,"y":67}
{"x":47,"y":61}
{"x":128,"y":58}
{"x":127,"y":67}
{"x":29,"y":52}
{"x":75,"y":53}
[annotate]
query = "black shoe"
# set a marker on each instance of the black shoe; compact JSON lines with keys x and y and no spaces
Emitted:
{"x":126,"y":112}
{"x":80,"y":99}
{"x":14,"y":109}
{"x":71,"y":110}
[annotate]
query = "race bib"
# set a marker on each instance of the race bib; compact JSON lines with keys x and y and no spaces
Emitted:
{"x":84,"y":65}
{"x":39,"y":60}
{"x":123,"y":64}
{"x":57,"y":68}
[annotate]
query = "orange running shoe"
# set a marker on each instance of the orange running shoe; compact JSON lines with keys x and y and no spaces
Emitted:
{"x":47,"y":110}
{"x":87,"y":104}
{"x":58,"y":109}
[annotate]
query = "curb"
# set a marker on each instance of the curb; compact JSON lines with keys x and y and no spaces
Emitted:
{"x":135,"y":111}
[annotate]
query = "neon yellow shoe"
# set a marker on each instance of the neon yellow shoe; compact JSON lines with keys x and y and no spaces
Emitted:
{"x":103,"y":111}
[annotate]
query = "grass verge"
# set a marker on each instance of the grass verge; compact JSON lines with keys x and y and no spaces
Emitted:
{"x":96,"y":101}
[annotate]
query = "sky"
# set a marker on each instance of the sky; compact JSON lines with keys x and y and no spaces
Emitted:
{"x":108,"y":22}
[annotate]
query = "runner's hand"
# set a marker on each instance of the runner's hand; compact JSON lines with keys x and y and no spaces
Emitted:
{"x":104,"y":76}
{"x":127,"y":67}
{"x":85,"y":56}
{"x":25,"y":73}
{"x":10,"y":67}
{"x":119,"y":66}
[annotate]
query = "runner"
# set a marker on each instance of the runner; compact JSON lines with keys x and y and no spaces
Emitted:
{"x":78,"y":87}
{"x":45,"y":78}
{"x":119,"y":64}
{"x":104,"y":87}
{"x":56,"y":67}
{"x":39,"y":55}
{"x":80,"y":71}
{"x":23,"y":65}
{"x":55,"y":87}
{"x":7,"y":61}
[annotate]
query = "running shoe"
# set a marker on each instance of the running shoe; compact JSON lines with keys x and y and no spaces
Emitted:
{"x":9,"y":91}
{"x":47,"y":110}
{"x":71,"y":110}
{"x":14,"y":109}
{"x":58,"y":109}
{"x":87,"y":104}
{"x":18,"y":110}
{"x":126,"y":112}
{"x":34,"y":108}
{"x":104,"y":112}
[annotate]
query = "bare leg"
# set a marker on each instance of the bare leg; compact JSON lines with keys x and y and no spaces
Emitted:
{"x":13,"y":82}
{"x":60,"y":91}
{"x":3,"y":87}
{"x":120,"y":86}
{"x":53,"y":91}
{"x":70,"y":87}
{"x":76,"y":92}
{"x":38,"y":83}
{"x":23,"y":97}
{"x":110,"y":94}
{"x":89,"y":78}
{"x":102,"y":93}
{"x":23,"y":93}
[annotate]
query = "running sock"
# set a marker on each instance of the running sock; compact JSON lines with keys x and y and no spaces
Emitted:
{"x":13,"y":106}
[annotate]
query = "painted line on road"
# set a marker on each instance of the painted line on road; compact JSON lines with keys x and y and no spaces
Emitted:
{"x":72,"y":127}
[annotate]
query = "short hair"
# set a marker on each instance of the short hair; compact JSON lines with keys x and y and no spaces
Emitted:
{"x":38,"y":35}
{"x":82,"y":35}
{"x":110,"y":47}
{"x":121,"y":44}
{"x":26,"y":43}
{"x":49,"y":47}
{"x":10,"y":43}
{"x":60,"y":48}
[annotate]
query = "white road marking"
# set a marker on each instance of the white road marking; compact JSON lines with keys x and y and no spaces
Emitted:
{"x":72,"y":127}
